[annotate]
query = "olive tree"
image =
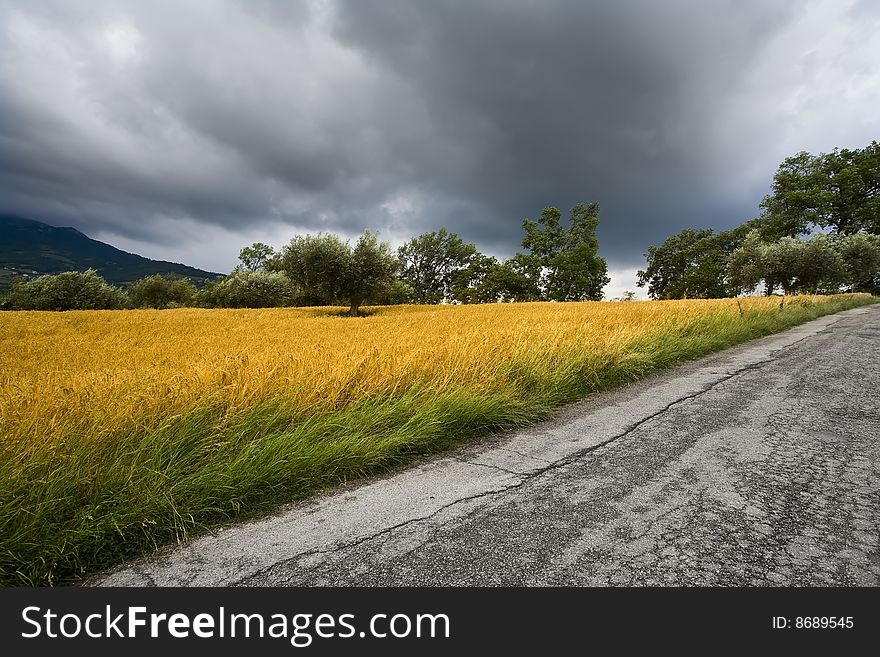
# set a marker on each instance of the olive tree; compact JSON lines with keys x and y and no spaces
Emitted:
{"x":158,"y":291}
{"x":813,"y":265}
{"x":250,"y":289}
{"x":327,"y":270}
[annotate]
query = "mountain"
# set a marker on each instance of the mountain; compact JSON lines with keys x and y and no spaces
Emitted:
{"x":31,"y":248}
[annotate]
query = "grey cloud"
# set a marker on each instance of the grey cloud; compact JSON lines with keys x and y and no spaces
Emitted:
{"x":600,"y":101}
{"x":405,"y":116}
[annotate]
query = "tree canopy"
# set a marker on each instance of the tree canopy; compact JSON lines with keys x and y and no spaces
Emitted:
{"x":159,"y":291}
{"x":71,"y":290}
{"x":317,"y":266}
{"x":326,"y":270}
{"x":370,"y":270}
{"x":432,"y":262}
{"x":565,"y":260}
{"x":245,"y":288}
{"x":256,"y":257}
{"x":838,"y":192}
{"x":822,"y":263}
{"x":691,"y":264}
{"x":861,"y":257}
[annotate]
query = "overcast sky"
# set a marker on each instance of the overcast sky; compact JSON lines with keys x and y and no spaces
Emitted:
{"x":185,"y":130}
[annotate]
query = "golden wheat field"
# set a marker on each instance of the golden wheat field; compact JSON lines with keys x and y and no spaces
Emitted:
{"x":123,"y":429}
{"x":89,"y":373}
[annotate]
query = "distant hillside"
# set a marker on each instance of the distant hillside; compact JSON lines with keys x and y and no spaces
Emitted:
{"x":31,"y":248}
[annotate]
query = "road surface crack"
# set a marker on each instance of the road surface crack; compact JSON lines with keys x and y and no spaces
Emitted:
{"x":528,"y":456}
{"x":489,"y":465}
{"x":524,"y":478}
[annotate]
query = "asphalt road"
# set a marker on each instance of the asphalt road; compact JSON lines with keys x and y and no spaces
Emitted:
{"x":759,"y":465}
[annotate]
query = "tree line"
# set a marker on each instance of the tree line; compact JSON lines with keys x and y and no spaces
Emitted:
{"x":559,"y":263}
{"x":818,"y":231}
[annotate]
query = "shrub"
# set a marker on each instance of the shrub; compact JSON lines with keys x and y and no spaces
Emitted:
{"x":157,"y":291}
{"x":72,"y":290}
{"x":249,"y":289}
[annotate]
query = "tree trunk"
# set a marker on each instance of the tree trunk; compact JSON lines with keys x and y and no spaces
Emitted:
{"x":354,"y":311}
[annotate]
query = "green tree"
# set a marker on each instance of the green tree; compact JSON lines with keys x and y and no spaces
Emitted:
{"x":431,"y":263}
{"x":861,"y":258}
{"x":781,"y":260}
{"x":158,"y":291}
{"x":570,"y":268}
{"x":821,"y":268}
{"x":317,"y":265}
{"x":249,"y":289}
{"x":519,"y":278}
{"x":516,"y":279}
{"x":691,"y":264}
{"x":473,"y":283}
{"x":490,"y":281}
{"x":837,"y":191}
{"x":370,"y":271}
{"x":257,"y":256}
{"x":397,"y":292}
{"x":745,"y":266}
{"x":327,"y":270}
{"x":72,"y":290}
{"x":813,"y":265}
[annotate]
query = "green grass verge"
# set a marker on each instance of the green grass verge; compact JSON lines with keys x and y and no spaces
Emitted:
{"x":68,"y":512}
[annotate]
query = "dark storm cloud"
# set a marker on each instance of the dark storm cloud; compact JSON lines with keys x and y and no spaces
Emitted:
{"x":552,"y":104}
{"x":131,"y":118}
